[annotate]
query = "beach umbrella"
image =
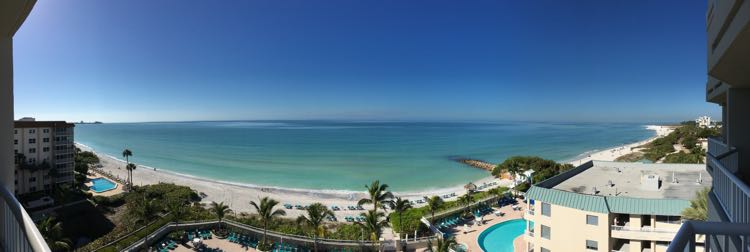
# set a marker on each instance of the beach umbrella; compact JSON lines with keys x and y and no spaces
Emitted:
{"x":470,"y":187}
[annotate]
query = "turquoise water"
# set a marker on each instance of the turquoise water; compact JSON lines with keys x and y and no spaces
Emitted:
{"x":346,"y":155}
{"x":499,"y":238}
{"x":102,"y":185}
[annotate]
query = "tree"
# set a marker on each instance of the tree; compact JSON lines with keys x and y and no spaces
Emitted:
{"x":130,"y":167}
{"x":379,"y":195}
{"x":399,"y":206}
{"x":698,"y":209}
{"x":51,"y":231}
{"x":316,"y":214}
{"x":443,"y":244}
{"x":127,"y":154}
{"x":177,"y":208}
{"x":374,"y":223}
{"x":267,"y":213}
{"x":220,"y":210}
{"x":142,"y":209}
{"x":466,"y":200}
{"x":434,"y":203}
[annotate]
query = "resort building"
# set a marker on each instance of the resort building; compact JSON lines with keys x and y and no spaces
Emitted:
{"x":703,"y":122}
{"x":43,"y":154}
{"x":611,"y":206}
{"x":728,"y":157}
{"x":17,"y":230}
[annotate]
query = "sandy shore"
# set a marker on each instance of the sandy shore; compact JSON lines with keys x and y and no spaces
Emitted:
{"x":612,"y":153}
{"x":238,"y":196}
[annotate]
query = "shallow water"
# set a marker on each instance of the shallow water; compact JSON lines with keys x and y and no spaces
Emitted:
{"x":339,"y":155}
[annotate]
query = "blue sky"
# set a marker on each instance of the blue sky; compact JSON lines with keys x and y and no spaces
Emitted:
{"x":115,"y":61}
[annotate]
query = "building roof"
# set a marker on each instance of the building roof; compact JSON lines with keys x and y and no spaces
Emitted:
{"x":588,"y":188}
{"x":42,"y":124}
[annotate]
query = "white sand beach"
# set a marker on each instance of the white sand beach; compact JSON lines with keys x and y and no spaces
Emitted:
{"x":238,"y":196}
{"x":612,"y":153}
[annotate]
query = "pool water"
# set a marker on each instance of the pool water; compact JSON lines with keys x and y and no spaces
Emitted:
{"x":499,"y":238}
{"x":102,"y":185}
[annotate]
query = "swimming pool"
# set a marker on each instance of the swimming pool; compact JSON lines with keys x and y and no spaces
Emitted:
{"x":499,"y":238}
{"x":102,"y":185}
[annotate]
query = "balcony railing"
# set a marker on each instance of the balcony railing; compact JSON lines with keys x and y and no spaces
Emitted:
{"x":643,"y":229}
{"x":732,"y":193}
{"x":719,"y":236}
{"x":716,"y":146}
{"x":19,"y":233}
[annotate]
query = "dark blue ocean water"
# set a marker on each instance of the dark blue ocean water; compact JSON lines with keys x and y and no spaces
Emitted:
{"x":409,"y":156}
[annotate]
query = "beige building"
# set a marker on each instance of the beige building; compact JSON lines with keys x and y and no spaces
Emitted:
{"x":611,"y":206}
{"x":43,"y":154}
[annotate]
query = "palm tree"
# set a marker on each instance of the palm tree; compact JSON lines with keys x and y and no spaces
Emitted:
{"x":400,"y":206}
{"x":374,"y":223}
{"x":379,"y":195}
{"x":267,"y":213}
{"x":177,"y":208}
{"x":142,"y":209}
{"x":220,"y":210}
{"x":130,"y":167}
{"x":127,"y":154}
{"x":443,"y":245}
{"x":51,"y":231}
{"x":698,"y":209}
{"x":466,"y":200}
{"x":434,"y":203}
{"x":316,"y":214}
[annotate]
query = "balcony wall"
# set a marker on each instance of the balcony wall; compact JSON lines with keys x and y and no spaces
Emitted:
{"x":642,"y":234}
{"x":728,"y":40}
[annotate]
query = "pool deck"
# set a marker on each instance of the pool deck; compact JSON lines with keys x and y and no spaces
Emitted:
{"x":93,"y":175}
{"x":471,"y":238}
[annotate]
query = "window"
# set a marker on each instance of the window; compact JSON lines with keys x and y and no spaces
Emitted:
{"x":45,"y":149}
{"x":546,"y":211}
{"x":592,"y":245}
{"x":592,"y":220}
{"x":32,"y":189}
{"x":32,"y":140}
{"x":15,"y":141}
{"x":45,"y":130}
{"x":46,"y":139}
{"x":546,"y":232}
{"x":15,"y":132}
{"x":32,"y":131}
{"x":32,"y":150}
{"x":544,"y":250}
{"x":32,"y":179}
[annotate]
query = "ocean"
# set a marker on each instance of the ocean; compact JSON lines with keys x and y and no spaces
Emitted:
{"x":343,"y":155}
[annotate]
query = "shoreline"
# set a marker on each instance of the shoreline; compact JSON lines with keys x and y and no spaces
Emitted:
{"x":238,"y":195}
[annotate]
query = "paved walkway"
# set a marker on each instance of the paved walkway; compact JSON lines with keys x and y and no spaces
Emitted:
{"x":471,"y":237}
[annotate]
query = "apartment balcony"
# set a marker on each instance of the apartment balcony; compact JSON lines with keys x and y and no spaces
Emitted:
{"x":717,"y":236}
{"x":728,"y":40}
{"x":646,"y":233}
{"x":732,"y":194}
{"x":18,"y":233}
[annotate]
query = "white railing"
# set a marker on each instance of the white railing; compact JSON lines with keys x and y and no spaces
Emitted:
{"x":19,"y":233}
{"x":732,"y":193}
{"x":716,"y":146}
{"x":643,"y":229}
{"x":719,"y":236}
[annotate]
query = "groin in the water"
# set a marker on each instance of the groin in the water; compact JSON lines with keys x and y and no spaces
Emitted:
{"x":481,"y":164}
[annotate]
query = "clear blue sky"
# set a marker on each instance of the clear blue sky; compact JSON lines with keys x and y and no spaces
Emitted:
{"x":113,"y":61}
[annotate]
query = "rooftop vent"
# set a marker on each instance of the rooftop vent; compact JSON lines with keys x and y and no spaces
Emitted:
{"x":650,"y":182}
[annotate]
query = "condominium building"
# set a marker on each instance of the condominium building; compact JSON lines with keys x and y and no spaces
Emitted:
{"x":728,"y":157}
{"x":611,"y":206}
{"x":703,"y":122}
{"x":43,"y":154}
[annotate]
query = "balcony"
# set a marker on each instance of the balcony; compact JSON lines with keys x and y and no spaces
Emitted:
{"x":718,"y":236}
{"x":732,"y":193}
{"x":18,"y":233}
{"x":643,"y":233}
{"x":728,"y":40}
